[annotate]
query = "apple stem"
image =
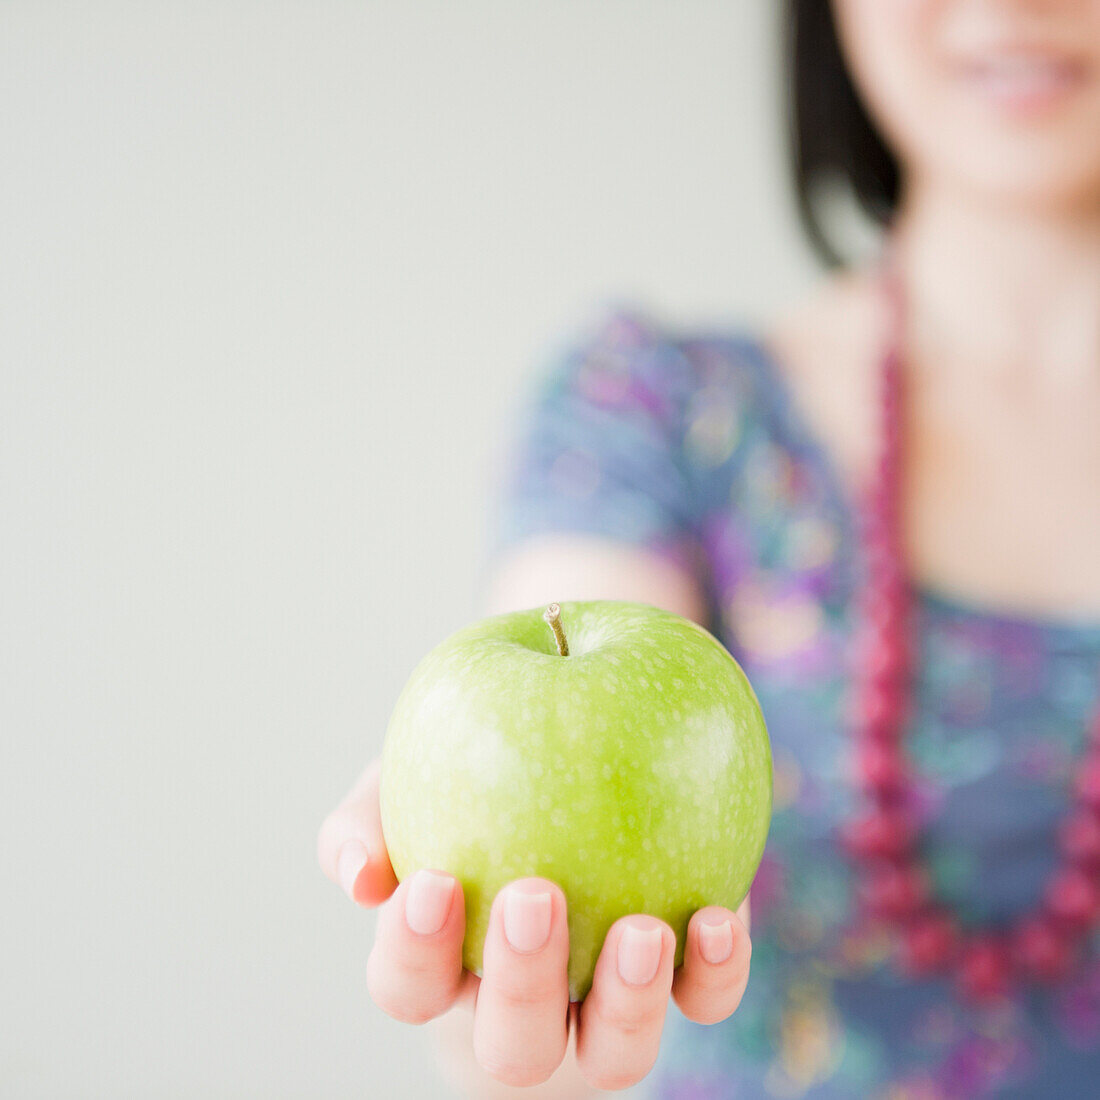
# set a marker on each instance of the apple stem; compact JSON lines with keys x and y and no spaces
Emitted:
{"x":553,"y":616}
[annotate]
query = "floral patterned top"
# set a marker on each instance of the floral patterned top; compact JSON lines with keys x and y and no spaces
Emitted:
{"x":689,"y":445}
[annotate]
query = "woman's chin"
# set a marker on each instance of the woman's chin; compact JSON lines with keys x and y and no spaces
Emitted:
{"x":1028,"y":180}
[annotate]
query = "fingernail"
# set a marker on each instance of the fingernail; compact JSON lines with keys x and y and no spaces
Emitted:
{"x":352,"y":859}
{"x":526,"y":920}
{"x":716,"y":941}
{"x":428,"y":902}
{"x":639,"y":954}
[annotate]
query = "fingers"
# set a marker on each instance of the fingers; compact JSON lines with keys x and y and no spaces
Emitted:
{"x":621,"y":1019}
{"x":710,"y":984}
{"x":521,"y":1015}
{"x":414,"y":971}
{"x":350,"y":847}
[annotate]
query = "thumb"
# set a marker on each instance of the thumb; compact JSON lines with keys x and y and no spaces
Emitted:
{"x":350,"y":846}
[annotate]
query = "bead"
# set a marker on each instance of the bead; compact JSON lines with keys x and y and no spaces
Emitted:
{"x":928,"y":945}
{"x":1088,"y":782}
{"x":886,"y":582}
{"x":1041,"y":951}
{"x":984,"y":968}
{"x":882,"y":655}
{"x":880,"y":711}
{"x":881,"y":768}
{"x":882,"y":834}
{"x":891,"y":402}
{"x":885,"y":519}
{"x":887,"y":660}
{"x":1072,"y":898}
{"x":883,"y":608}
{"x":1079,"y":838}
{"x":882,"y":543}
{"x":888,"y":471}
{"x":882,"y":539}
{"x":894,"y":891}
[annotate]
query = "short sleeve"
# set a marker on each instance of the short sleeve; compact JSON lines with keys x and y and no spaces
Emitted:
{"x":601,"y":447}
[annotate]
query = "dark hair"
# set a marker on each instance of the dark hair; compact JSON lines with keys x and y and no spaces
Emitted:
{"x":832,"y":139}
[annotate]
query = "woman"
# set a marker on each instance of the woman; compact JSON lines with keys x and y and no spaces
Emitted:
{"x":888,"y":506}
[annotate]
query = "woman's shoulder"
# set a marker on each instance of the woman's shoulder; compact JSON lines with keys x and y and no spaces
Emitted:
{"x":714,"y":393}
{"x":628,"y":369}
{"x":837,"y":323}
{"x":818,"y":347}
{"x":826,"y":348}
{"x":632,"y":355}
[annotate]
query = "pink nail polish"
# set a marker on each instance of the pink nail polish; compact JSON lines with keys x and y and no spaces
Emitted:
{"x":352,"y":859}
{"x":639,"y":954}
{"x":428,"y":902}
{"x":716,"y":941}
{"x":526,"y":920}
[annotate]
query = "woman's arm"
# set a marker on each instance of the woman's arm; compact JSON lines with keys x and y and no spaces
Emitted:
{"x":542,"y":570}
{"x":561,"y":567}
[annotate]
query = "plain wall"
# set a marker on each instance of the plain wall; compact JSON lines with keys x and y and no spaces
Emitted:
{"x":274,"y":277}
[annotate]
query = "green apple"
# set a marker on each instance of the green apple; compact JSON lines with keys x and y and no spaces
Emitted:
{"x":617,"y":750}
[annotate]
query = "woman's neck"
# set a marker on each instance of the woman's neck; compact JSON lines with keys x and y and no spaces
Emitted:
{"x":1005,"y":290}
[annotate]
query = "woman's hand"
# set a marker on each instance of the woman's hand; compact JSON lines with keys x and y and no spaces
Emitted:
{"x":521,"y":1005}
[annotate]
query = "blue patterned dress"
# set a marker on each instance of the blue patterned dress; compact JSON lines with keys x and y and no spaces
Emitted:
{"x":689,"y":445}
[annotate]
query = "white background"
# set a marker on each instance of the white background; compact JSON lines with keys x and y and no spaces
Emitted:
{"x":272,"y":280}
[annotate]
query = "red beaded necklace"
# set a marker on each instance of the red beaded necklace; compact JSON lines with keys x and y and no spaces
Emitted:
{"x":893,"y":883}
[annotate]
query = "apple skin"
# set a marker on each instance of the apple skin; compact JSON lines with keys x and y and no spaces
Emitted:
{"x":635,"y":772}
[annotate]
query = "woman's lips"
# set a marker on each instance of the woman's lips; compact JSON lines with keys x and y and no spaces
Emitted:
{"x":1022,"y":84}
